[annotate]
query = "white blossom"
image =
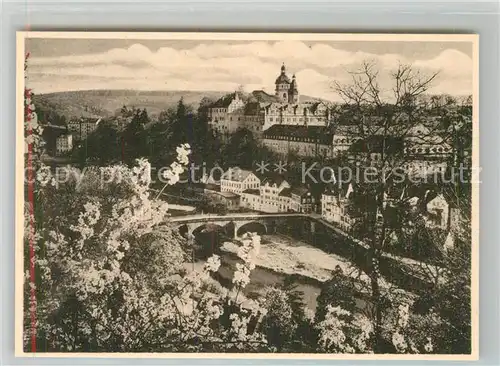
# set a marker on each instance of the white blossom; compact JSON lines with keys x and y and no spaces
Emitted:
{"x":428,"y":347}
{"x":213,"y":263}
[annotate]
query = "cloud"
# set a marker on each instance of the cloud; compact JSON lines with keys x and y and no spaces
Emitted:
{"x":451,"y":62}
{"x":224,"y":67}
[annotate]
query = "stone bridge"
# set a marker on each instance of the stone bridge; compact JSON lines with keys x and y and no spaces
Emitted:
{"x":232,"y":223}
{"x":405,"y":272}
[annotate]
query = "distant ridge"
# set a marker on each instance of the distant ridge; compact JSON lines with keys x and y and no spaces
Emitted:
{"x":105,"y":103}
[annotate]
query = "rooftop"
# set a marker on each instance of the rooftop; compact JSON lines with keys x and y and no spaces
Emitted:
{"x":321,"y":133}
{"x":286,"y":192}
{"x":226,"y":100}
{"x":273,"y":179}
{"x":299,"y":191}
{"x":229,"y":195}
{"x":236,"y":174}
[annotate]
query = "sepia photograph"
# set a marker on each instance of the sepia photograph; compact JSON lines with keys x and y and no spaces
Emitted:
{"x":239,"y":195}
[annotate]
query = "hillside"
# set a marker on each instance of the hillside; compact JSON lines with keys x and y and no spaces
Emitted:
{"x":104,"y":103}
{"x":262,"y":96}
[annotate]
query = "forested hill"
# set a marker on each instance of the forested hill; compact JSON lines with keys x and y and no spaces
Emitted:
{"x":105,"y":103}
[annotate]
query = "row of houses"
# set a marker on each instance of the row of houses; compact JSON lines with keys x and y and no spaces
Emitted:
{"x":240,"y":188}
{"x":438,"y":213}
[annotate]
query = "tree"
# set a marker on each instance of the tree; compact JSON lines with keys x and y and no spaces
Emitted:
{"x":244,"y":150}
{"x":102,"y":146}
{"x":110,"y":275}
{"x":386,"y":124}
{"x":135,"y":138}
{"x":337,"y":291}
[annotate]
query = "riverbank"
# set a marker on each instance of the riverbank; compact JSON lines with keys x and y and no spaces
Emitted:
{"x":282,"y":257}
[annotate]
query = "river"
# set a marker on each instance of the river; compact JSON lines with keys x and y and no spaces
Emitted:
{"x":282,"y":257}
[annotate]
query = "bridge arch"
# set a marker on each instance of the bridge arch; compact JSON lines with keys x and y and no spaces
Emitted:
{"x":207,"y":239}
{"x":184,"y":230}
{"x":253,"y":227}
{"x":207,"y":227}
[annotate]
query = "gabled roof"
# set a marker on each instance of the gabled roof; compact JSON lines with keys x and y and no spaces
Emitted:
{"x":264,"y":97}
{"x":330,"y":192}
{"x":251,"y":108}
{"x":225,"y":101}
{"x":286,"y":192}
{"x":273,"y":179}
{"x":339,"y":189}
{"x":300,"y":191}
{"x":236,"y":174}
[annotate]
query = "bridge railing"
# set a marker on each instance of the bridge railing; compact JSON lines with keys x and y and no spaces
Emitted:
{"x":241,"y":216}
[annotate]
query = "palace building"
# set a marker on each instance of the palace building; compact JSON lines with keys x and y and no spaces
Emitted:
{"x":259,"y":111}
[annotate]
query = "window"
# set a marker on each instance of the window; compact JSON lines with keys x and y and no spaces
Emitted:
{"x":439,"y":216}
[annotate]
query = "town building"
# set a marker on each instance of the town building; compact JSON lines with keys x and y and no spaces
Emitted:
{"x":419,"y":152}
{"x":302,"y":200}
{"x":83,"y":127}
{"x":237,"y":180}
{"x":344,"y":136}
{"x":373,"y":149}
{"x":312,"y":141}
{"x":229,"y":199}
{"x":275,"y":194}
{"x":270,"y":189}
{"x":64,"y":144}
{"x":335,"y":208}
{"x":268,"y":198}
{"x":286,"y":90}
{"x":425,"y":151}
{"x":251,"y":200}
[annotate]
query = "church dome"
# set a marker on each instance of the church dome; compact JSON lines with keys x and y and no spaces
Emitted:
{"x":283,"y":78}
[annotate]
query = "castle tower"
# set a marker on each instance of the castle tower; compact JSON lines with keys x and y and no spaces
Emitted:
{"x":293,"y":97}
{"x":283,"y":84}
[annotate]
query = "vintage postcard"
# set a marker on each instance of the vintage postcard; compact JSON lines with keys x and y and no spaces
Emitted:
{"x":239,"y":195}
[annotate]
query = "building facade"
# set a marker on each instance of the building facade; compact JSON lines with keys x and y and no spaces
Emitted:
{"x":260,"y":110}
{"x":301,"y":140}
{"x":237,"y":180}
{"x":276,"y":195}
{"x":64,"y":144}
{"x":81,"y":128}
{"x":335,"y":209}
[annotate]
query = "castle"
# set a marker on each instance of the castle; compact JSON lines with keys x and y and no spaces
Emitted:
{"x":285,"y":124}
{"x":259,"y":111}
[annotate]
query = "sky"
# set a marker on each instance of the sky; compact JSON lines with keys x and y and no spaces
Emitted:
{"x":81,"y":64}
